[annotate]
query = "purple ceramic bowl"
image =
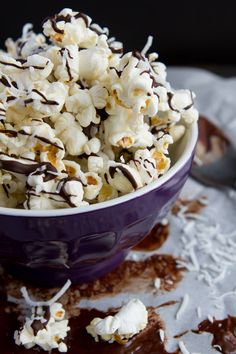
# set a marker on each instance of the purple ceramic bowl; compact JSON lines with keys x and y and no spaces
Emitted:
{"x":49,"y":246}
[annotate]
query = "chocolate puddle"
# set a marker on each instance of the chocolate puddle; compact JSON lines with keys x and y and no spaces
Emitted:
{"x":224,"y":334}
{"x":155,"y":239}
{"x":80,"y":342}
{"x":146,"y":342}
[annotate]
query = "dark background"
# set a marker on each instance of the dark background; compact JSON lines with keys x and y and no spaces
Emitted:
{"x":200,"y":33}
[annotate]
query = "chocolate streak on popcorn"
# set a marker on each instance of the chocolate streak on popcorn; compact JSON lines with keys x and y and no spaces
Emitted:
{"x":45,"y":140}
{"x":62,"y":192}
{"x":18,"y":167}
{"x":138,"y":55}
{"x":84,"y":17}
{"x":5,"y":82}
{"x":125,"y":172}
{"x":224,"y":334}
{"x":24,"y":67}
{"x":5,"y":190}
{"x":67,"y":64}
{"x":46,"y":101}
{"x":37,"y":325}
{"x":170,"y":96}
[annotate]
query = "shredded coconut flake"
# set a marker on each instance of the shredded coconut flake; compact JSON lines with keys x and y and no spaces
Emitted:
{"x":183,"y":348}
{"x":183,"y":306}
{"x":56,"y":297}
{"x":161,"y":335}
{"x":147,"y":45}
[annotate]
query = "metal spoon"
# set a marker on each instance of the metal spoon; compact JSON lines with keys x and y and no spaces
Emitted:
{"x":215,"y":158}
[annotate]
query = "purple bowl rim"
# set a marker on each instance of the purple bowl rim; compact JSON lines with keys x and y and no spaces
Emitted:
{"x":192,"y":135}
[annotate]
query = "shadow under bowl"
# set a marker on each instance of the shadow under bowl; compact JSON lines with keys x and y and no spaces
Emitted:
{"x":47,"y":247}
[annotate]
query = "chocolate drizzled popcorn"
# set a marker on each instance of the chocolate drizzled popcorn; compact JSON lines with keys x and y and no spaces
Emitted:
{"x":72,"y":106}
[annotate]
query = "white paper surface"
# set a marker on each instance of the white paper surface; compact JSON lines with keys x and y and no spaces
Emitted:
{"x":216,"y":98}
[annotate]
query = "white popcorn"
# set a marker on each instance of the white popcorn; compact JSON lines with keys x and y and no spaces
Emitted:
{"x":95,"y":164}
{"x":67,"y":69}
{"x":47,"y":327}
{"x":92,"y":146}
{"x":94,"y":184}
{"x":127,"y":129}
{"x":177,"y":131}
{"x":74,"y":191}
{"x":70,"y":133}
{"x":29,"y":43}
{"x":130,"y":320}
{"x":163,"y":141}
{"x":123,"y":178}
{"x":81,"y":122}
{"x":69,"y":27}
{"x":93,"y":63}
{"x":145,"y":164}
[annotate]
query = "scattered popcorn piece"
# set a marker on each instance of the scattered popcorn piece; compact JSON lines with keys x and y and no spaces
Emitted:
{"x":130,"y":320}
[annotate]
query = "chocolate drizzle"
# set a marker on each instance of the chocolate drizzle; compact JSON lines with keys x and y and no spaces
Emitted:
{"x":5,"y":190}
{"x":84,"y":17}
{"x":125,"y":172}
{"x":62,"y":51}
{"x":18,"y":167}
{"x":170,"y":96}
{"x":62,"y":191}
{"x":138,"y":55}
{"x":46,"y":101}
{"x":23,"y":67}
{"x":116,"y":50}
{"x":224,"y":334}
{"x":57,"y":18}
{"x":5,"y":82}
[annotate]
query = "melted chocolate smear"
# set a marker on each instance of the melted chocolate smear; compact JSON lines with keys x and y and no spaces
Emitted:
{"x":132,"y":275}
{"x":125,"y":172}
{"x":194,"y":206}
{"x":224,"y":334}
{"x":155,"y":239}
{"x":79,"y":341}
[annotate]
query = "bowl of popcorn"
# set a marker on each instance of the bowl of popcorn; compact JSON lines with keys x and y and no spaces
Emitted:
{"x":95,"y":146}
